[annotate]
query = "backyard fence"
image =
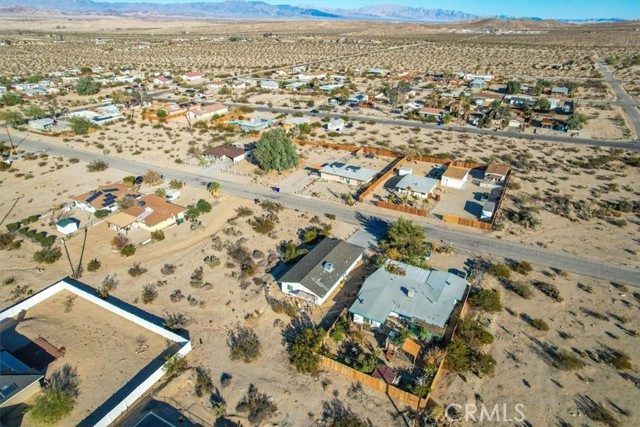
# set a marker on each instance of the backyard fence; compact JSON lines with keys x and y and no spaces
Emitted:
{"x":303,"y":142}
{"x":401,"y":208}
{"x":467,"y":222}
{"x":390,"y":169}
{"x":374,"y":383}
{"x":502,"y":197}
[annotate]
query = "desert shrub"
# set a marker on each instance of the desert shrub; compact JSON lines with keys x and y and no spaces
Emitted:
{"x":119,"y":241}
{"x":51,"y":407}
{"x":93,"y":265}
{"x":13,"y":226}
{"x":136,"y":270}
{"x":457,"y":358}
{"x":204,"y":383}
{"x":284,"y":307}
{"x":566,"y":361}
{"x":175,"y":184}
{"x":8,"y":242}
{"x":523,"y":267}
{"x":292,"y":253}
{"x":97,"y":166}
{"x":109,"y":283}
{"x":499,"y":271}
{"x":175,"y":321}
{"x":520,"y":288}
{"x":102,"y":213}
{"x":128,"y":250}
{"x":526,"y":218}
{"x":157,"y":235}
{"x":270,"y":206}
{"x":176,"y":296}
{"x":168,"y":269}
{"x":275,"y":151}
{"x":263,"y":224}
{"x":65,"y":379}
{"x":201,"y":206}
{"x":243,"y":211}
{"x":175,"y":365}
{"x":149,"y":293}
{"x":618,"y":359}
{"x":258,"y":406}
{"x":330,"y":216}
{"x":548,"y":289}
{"x":212,"y":261}
{"x":197,"y":278}
{"x":304,"y":351}
{"x":540,"y":324}
{"x":486,"y":300}
{"x":151,"y":177}
{"x":47,"y":255}
{"x":160,"y":192}
{"x":340,"y":328}
{"x":473,"y":333}
{"x":244,"y":344}
{"x":335,"y":414}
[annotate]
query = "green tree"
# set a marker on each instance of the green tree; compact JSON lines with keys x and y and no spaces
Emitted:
{"x":81,"y":125}
{"x":161,"y":113}
{"x":404,"y":241}
{"x":542,"y":104}
{"x":52,"y":406}
{"x":486,"y":300}
{"x":85,"y":86}
{"x":35,"y":78}
{"x":304,"y":352}
{"x":11,"y":118}
{"x":575,"y":121}
{"x":275,"y":151}
{"x":513,"y":87}
{"x":34,"y":112}
{"x":501,"y":271}
{"x":10,"y":99}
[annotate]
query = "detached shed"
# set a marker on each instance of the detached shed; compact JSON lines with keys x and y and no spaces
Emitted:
{"x":67,"y":225}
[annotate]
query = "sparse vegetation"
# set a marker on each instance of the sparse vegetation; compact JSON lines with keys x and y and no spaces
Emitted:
{"x":244,"y":344}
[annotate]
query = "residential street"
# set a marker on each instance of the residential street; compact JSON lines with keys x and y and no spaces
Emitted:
{"x":623,"y":99}
{"x":372,"y":219}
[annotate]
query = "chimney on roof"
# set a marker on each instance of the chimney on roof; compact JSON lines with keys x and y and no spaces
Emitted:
{"x":411,"y":292}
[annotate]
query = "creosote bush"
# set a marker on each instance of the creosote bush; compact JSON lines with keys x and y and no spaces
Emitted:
{"x":244,"y":344}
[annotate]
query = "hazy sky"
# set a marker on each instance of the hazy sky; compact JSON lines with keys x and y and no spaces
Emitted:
{"x":627,"y":9}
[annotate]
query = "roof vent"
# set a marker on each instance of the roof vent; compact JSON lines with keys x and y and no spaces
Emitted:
{"x":141,"y":203}
{"x":411,"y":292}
{"x":328,"y":267}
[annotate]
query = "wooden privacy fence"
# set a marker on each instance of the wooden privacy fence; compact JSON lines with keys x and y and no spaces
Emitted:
{"x":467,"y":222}
{"x":374,"y":383}
{"x":502,"y":197}
{"x":401,"y":208}
{"x":390,"y":169}
{"x":326,"y":145}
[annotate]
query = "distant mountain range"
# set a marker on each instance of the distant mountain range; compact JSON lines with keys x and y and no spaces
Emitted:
{"x":244,"y":9}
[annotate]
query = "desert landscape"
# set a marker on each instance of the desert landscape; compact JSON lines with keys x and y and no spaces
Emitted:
{"x":93,"y":101}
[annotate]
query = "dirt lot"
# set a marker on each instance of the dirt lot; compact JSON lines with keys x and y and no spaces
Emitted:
{"x":101,"y":345}
{"x":525,"y":373}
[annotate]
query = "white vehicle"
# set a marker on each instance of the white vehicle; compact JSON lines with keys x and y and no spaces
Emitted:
{"x":173,"y":195}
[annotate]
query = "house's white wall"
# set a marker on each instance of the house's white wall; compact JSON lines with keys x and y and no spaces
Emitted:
{"x":452,"y":183}
{"x":364,"y":320}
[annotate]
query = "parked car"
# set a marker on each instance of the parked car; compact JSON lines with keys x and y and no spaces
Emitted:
{"x":314,"y":111}
{"x":139,"y":180}
{"x":463,"y":274}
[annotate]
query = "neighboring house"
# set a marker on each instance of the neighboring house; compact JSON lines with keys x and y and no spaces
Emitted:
{"x":269,"y":84}
{"x":105,"y":197}
{"x":411,"y":107}
{"x":298,"y":69}
{"x":49,"y":125}
{"x":496,"y":173}
{"x":567,"y":107}
{"x":357,"y":98}
{"x":519,"y":101}
{"x":423,"y":297}
{"x":155,"y":213}
{"x":379,"y":71}
{"x":560,"y":90}
{"x":455,"y":177}
{"x":414,"y":185}
{"x":192,"y":76}
{"x":320,"y":272}
{"x":162,"y":80}
{"x":404,"y":170}
{"x":293,"y":122}
{"x":310,"y":76}
{"x":477,"y":84}
{"x":255,"y":124}
{"x":18,"y":382}
{"x":351,"y":175}
{"x":207,"y":111}
{"x":295,"y":85}
{"x":329,"y":88}
{"x":335,"y":125}
{"x":223,"y":152}
{"x":216,"y":84}
{"x":433,"y":112}
{"x":67,"y":225}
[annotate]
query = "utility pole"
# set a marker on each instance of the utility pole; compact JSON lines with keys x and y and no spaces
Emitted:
{"x":422,"y":384}
{"x":73,"y":273}
{"x":79,"y":269}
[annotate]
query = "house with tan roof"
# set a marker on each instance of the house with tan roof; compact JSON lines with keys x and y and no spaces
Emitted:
{"x":203,"y":112}
{"x":496,"y":173}
{"x":150,"y":213}
{"x":104,"y":197}
{"x":192,"y":76}
{"x":433,"y":112}
{"x":455,"y":177}
{"x":223,"y":152}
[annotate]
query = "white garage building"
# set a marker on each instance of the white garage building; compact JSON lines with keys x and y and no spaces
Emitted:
{"x":455,"y":177}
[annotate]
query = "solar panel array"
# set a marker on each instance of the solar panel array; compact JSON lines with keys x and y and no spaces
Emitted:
{"x":94,"y":196}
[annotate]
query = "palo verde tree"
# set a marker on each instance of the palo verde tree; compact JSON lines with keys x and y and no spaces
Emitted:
{"x":275,"y":151}
{"x":513,"y":87}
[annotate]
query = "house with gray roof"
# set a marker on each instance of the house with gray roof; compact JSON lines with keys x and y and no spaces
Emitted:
{"x":348,"y":174}
{"x":415,"y":185}
{"x":424,"y":297}
{"x":321,"y":271}
{"x":18,"y":382}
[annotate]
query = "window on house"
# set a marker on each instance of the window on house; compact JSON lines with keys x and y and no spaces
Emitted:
{"x":289,"y":288}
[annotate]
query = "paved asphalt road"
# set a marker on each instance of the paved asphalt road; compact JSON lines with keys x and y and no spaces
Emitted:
{"x":628,"y":145}
{"x":623,"y":99}
{"x":372,"y":219}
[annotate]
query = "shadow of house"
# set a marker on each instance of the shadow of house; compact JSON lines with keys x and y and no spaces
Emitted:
{"x":473,"y":208}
